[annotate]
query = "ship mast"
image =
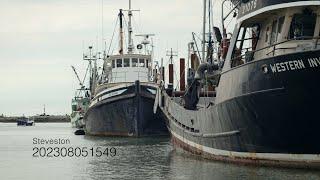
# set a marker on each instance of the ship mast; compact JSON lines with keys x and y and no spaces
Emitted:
{"x":121,"y":32}
{"x":210,"y":42}
{"x":92,"y":71}
{"x":130,"y":29}
{"x":204,"y":30}
{"x":130,"y":40}
{"x":130,"y":46}
{"x":207,"y":50}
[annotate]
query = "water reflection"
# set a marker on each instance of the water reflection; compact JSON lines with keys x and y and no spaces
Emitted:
{"x":198,"y":168}
{"x":149,"y":158}
{"x":137,"y":158}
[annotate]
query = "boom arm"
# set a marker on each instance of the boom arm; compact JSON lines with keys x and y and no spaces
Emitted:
{"x":74,"y":70}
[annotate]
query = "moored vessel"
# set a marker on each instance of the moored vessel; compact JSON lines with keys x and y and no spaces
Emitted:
{"x":24,"y":121}
{"x":123,"y":94}
{"x":264,"y":92}
{"x":79,"y":103}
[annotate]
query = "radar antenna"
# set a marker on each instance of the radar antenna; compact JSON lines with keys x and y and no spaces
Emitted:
{"x":145,"y":40}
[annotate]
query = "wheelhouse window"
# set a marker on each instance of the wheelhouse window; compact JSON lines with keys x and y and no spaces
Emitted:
{"x":141,"y":63}
{"x":277,"y":26}
{"x":113,"y":64}
{"x":267,"y":35}
{"x":273,"y":38}
{"x":134,"y":62}
{"x":74,"y":107}
{"x":303,"y":25}
{"x":246,"y":44}
{"x":119,"y":63}
{"x":126,"y":62}
{"x":280,"y":27}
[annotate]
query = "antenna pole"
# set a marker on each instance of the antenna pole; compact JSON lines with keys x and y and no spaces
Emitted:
{"x":210,"y":44}
{"x":92,"y":71}
{"x":90,"y":55}
{"x":130,"y":46}
{"x":171,"y":54}
{"x":130,"y":40}
{"x":204,"y":30}
{"x":121,"y":32}
{"x":102,"y":24}
{"x":171,"y":69}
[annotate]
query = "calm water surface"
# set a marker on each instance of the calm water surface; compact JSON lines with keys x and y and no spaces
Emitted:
{"x":145,"y":158}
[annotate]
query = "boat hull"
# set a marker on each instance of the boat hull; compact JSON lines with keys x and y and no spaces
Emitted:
{"x":127,"y":114}
{"x":77,"y":120}
{"x":270,"y":118}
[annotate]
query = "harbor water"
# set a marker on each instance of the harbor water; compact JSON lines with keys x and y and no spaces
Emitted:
{"x":116,"y":158}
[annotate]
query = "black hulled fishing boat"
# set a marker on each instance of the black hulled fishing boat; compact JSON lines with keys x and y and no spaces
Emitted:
{"x":265,"y":103}
{"x":124,"y":94}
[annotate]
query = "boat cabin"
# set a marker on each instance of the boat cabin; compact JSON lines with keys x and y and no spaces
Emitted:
{"x":275,"y":30}
{"x":128,"y":68}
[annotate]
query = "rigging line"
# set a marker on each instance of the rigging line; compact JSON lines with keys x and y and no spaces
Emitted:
{"x":167,"y":63}
{"x":125,"y":32}
{"x":212,"y":13}
{"x":113,"y":36}
{"x":197,"y":37}
{"x":112,"y":50}
{"x":187,"y":90}
{"x":84,"y":78}
{"x":136,"y":25}
{"x":179,"y":79}
{"x":196,"y":44}
{"x":229,"y":23}
{"x":206,"y":91}
{"x":102,"y":24}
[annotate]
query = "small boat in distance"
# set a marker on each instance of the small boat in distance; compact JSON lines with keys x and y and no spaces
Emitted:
{"x":24,"y":121}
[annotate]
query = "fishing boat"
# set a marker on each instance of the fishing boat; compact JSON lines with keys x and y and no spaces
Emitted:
{"x":79,"y":107}
{"x":257,"y":102}
{"x":122,"y":96}
{"x":79,"y":103}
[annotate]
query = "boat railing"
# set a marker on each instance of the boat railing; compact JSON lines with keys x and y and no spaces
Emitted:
{"x":276,"y":48}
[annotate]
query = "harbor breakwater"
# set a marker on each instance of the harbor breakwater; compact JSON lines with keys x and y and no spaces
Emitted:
{"x":38,"y":119}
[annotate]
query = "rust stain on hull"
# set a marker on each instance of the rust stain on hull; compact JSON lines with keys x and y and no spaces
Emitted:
{"x":252,"y":160}
{"x":126,"y":134}
{"x":115,"y":134}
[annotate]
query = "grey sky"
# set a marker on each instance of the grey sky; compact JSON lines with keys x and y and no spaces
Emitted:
{"x":40,"y":39}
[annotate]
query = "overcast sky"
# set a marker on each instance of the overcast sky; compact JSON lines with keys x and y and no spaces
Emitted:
{"x":41,"y":39}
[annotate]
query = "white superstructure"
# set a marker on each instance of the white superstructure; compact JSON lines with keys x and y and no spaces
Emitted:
{"x":128,"y":68}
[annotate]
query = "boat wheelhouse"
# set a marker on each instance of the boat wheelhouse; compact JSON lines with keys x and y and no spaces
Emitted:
{"x":129,"y":68}
{"x":278,"y":30}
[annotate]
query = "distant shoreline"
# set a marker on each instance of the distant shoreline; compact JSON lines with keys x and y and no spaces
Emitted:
{"x":38,"y":119}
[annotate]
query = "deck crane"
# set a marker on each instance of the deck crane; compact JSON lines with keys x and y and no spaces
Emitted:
{"x":75,"y":71}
